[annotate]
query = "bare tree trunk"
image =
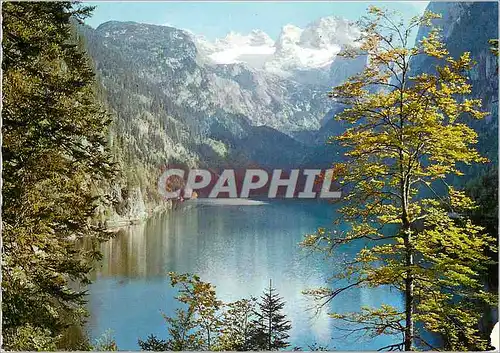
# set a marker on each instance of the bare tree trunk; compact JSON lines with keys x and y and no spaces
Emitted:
{"x":208,"y":339}
{"x":270,"y":319}
{"x":405,"y":197}
{"x":409,"y":297}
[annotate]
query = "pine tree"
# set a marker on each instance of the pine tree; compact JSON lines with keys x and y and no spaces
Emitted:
{"x":206,"y":323}
{"x":408,"y":134}
{"x":271,"y":325}
{"x":54,"y":156}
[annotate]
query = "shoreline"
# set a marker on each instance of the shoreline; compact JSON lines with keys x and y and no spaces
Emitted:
{"x":115,"y":225}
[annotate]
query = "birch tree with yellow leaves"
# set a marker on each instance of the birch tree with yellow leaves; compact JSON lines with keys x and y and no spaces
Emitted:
{"x":407,"y":133}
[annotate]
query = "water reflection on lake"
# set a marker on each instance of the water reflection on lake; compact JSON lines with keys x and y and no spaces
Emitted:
{"x":238,"y":249}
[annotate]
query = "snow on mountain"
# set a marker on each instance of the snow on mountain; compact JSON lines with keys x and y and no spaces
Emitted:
{"x":314,"y":47}
{"x":253,"y":49}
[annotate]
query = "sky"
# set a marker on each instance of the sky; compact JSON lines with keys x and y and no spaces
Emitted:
{"x":216,"y":19}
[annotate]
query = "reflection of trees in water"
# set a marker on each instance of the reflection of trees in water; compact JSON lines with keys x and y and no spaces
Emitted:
{"x":200,"y":237}
{"x":75,"y":337}
{"x":237,"y":249}
{"x":122,"y":255}
{"x":147,"y":249}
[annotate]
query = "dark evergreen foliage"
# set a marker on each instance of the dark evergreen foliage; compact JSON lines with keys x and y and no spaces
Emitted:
{"x":152,"y":343}
{"x":54,"y":156}
{"x":271,"y":325}
{"x":209,"y":324}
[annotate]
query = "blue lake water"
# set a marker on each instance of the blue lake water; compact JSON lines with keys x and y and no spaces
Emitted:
{"x":237,"y":248}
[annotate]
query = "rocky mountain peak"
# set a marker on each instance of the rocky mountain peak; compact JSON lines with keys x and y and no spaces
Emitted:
{"x":289,"y":35}
{"x":301,"y":54}
{"x":328,"y":31}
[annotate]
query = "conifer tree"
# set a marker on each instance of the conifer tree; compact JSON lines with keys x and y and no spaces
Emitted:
{"x":206,"y":323}
{"x":271,"y":325}
{"x":54,"y":156}
{"x":408,"y":134}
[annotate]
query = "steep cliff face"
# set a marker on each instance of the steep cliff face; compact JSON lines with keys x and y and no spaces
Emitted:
{"x":168,"y":61}
{"x":246,"y":99}
{"x":305,"y":55}
{"x":173,"y":102}
{"x":467,"y":27}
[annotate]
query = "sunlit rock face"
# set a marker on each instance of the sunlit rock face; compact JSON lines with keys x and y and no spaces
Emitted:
{"x":179,"y":96}
{"x":467,"y":27}
{"x":306,"y":55}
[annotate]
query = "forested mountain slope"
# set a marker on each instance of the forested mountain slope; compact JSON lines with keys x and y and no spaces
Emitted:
{"x":177,"y":98}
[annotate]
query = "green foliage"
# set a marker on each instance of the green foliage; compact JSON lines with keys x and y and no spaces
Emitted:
{"x":271,"y":325}
{"x":152,"y":343}
{"x":196,"y":327}
{"x":239,"y":327}
{"x":184,"y":331}
{"x":105,"y":343}
{"x":484,"y":191}
{"x":207,"y":323}
{"x":406,"y":136}
{"x":29,"y":338}
{"x":494,"y":46}
{"x":54,"y":138}
{"x":202,"y":303}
